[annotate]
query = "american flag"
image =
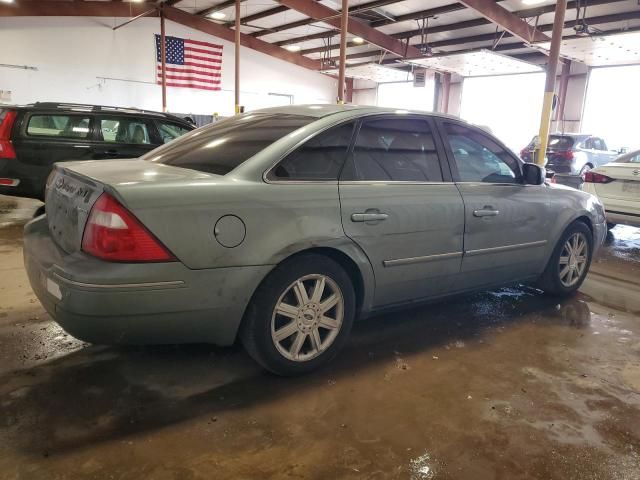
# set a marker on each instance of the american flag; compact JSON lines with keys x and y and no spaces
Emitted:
{"x":190,"y":63}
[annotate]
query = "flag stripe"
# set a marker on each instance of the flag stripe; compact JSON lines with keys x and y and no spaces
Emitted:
{"x":202,"y":59}
{"x":188,"y":76}
{"x":204,"y":44}
{"x":169,"y":69}
{"x":201,"y":87}
{"x":202,"y":50}
{"x":202,"y":65}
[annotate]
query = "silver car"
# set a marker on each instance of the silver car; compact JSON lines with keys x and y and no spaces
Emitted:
{"x":282,"y":226}
{"x":571,"y":153}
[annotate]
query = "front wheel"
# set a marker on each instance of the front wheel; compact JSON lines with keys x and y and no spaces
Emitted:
{"x":570,"y":261}
{"x":300,"y":316}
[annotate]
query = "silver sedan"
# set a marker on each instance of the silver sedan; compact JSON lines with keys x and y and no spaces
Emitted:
{"x":282,"y":226}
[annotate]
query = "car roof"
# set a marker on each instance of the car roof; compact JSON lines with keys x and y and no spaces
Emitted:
{"x":323,"y":110}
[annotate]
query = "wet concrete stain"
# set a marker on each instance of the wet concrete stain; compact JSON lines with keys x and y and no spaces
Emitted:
{"x":499,"y":385}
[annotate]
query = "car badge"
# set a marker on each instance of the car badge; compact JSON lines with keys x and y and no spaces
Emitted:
{"x":636,"y":172}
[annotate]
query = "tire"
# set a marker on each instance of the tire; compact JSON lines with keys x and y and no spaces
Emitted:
{"x":554,"y":281}
{"x":311,"y":338}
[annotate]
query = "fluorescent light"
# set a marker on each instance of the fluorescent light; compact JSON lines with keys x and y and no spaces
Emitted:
{"x":6,"y":1}
{"x":358,"y":40}
{"x":218,"y":15}
{"x":532,"y":2}
{"x":293,"y":48}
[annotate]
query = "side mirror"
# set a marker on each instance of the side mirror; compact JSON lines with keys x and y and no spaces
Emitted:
{"x":533,"y":174}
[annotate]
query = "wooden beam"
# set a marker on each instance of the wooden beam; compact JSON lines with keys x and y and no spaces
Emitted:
{"x":506,"y":20}
{"x":220,"y":31}
{"x":215,"y":8}
{"x":44,"y":8}
{"x":357,"y":27}
{"x":363,"y":7}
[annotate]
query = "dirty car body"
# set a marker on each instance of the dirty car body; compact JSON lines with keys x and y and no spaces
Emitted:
{"x":407,"y":207}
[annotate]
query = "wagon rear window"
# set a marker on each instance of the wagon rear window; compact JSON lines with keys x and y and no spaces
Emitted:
{"x":220,"y":147}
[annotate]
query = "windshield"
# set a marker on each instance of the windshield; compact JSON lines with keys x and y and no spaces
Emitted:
{"x":220,"y":147}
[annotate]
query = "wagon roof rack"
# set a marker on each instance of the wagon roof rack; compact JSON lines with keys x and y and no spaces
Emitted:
{"x":96,"y":108}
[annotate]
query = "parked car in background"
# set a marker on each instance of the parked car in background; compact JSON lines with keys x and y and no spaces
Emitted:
{"x":34,"y":137}
{"x":571,"y":153}
{"x":282,"y":225}
{"x":617,"y":185}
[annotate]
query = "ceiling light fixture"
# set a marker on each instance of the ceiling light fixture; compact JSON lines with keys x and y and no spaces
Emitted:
{"x":218,"y":15}
{"x":532,"y":2}
{"x":293,"y":48}
{"x":358,"y":40}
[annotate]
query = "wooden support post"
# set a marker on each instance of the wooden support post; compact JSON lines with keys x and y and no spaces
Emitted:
{"x":344,"y":25}
{"x":163,"y":59}
{"x":550,"y":84}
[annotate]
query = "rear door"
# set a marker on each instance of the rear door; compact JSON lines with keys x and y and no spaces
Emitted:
{"x":402,"y":209}
{"x":603,"y":154}
{"x":49,"y":137}
{"x":506,"y":222}
{"x":120,"y":136}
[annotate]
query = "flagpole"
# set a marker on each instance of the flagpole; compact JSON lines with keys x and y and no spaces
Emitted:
{"x":163,"y":58}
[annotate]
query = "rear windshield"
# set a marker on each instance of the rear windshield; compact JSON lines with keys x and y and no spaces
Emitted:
{"x":220,"y":147}
{"x":556,"y":142}
{"x":632,"y":157}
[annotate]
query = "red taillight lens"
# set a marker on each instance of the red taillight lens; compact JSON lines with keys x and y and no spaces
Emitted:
{"x":593,"y":177}
{"x":112,"y":233}
{"x":565,"y":155}
{"x":6,"y":124}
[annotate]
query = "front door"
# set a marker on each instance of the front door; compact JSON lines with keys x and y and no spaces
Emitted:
{"x":506,"y":221}
{"x":402,"y":209}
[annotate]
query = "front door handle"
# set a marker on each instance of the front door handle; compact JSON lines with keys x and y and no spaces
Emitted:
{"x":111,"y":153}
{"x":486,"y":211}
{"x":368,"y":217}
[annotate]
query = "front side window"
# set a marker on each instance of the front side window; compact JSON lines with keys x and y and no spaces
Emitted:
{"x":395,"y":150}
{"x":124,"y":130}
{"x":63,"y":126}
{"x":170,"y":131}
{"x":319,"y":159}
{"x":479,"y":158}
{"x":220,"y":147}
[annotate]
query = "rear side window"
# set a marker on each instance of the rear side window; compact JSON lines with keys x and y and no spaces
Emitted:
{"x":123,"y":130}
{"x":321,"y":158}
{"x":395,"y":150}
{"x":220,"y":147}
{"x":64,"y":126}
{"x":170,"y":131}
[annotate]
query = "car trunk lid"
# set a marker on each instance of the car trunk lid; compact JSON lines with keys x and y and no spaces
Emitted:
{"x":625,"y":184}
{"x":74,"y":187}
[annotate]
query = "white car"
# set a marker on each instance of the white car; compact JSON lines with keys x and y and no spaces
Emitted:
{"x":617,"y":185}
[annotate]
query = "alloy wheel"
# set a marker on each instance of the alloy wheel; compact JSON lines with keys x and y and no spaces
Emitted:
{"x":307,"y":317}
{"x":573,"y":259}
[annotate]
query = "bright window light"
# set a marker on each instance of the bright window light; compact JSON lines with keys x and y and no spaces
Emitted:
{"x":508,"y":105}
{"x":612,"y":113}
{"x":293,"y":48}
{"x":218,"y":15}
{"x":404,"y":96}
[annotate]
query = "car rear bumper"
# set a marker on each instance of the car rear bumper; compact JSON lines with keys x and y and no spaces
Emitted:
{"x":623,"y":218}
{"x":118,"y":303}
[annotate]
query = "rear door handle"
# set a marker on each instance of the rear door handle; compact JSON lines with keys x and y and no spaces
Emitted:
{"x":486,"y":211}
{"x":111,"y":153}
{"x":368,"y":217}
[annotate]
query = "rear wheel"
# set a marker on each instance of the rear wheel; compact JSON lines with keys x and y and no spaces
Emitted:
{"x":570,"y":261}
{"x":300,"y":316}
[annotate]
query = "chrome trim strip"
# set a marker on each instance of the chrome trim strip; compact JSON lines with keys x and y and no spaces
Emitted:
{"x":392,"y":182}
{"x":168,"y":284}
{"x":427,"y":258}
{"x":504,"y":248}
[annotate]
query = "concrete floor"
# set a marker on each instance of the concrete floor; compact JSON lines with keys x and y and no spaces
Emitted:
{"x":502,"y":385}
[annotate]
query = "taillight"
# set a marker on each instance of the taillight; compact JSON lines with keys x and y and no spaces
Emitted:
{"x":593,"y":177}
{"x":112,"y":233}
{"x":6,"y":124}
{"x":565,"y":155}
